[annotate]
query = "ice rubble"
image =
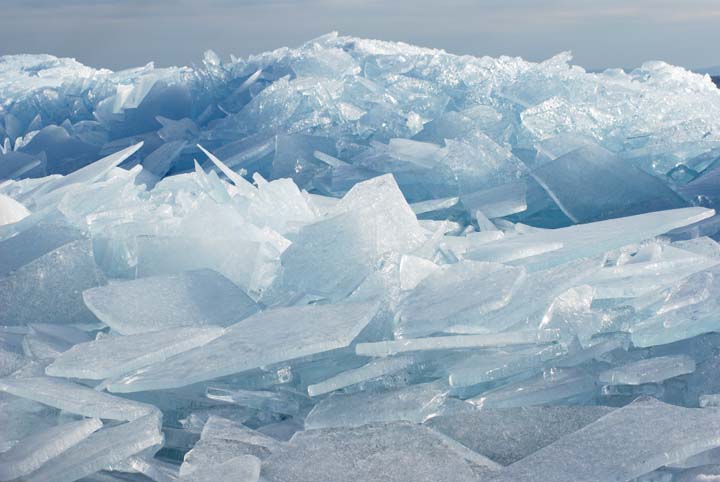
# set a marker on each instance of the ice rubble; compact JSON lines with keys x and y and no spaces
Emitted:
{"x":358,"y":260}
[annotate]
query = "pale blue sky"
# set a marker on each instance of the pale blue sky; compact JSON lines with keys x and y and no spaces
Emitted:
{"x":601,"y":33}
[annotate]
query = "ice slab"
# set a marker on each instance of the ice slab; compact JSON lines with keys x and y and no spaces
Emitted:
{"x":33,"y":242}
{"x":192,"y":298}
{"x":48,"y":289}
{"x":507,"y":435}
{"x":117,"y":355}
{"x":551,"y":386}
{"x":34,"y":451}
{"x":590,"y":184}
{"x":414,"y":403}
{"x":498,"y":364}
{"x":455,"y":293}
{"x":277,"y":402}
{"x":392,"y":452}
{"x":624,"y":444}
{"x":265,"y":338}
{"x":243,"y":468}
{"x":222,"y":440}
{"x":454,"y":342}
{"x":651,"y":370}
{"x":369,"y":371}
{"x":100,"y":450}
{"x":76,"y":398}
{"x":592,"y":239}
{"x":11,"y":211}
{"x":686,"y":311}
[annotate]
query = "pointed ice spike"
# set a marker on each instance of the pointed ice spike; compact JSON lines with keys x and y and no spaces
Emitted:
{"x":237,"y":179}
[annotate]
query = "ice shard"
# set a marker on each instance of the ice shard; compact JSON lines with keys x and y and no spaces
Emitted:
{"x":117,"y":355}
{"x":100,"y":450}
{"x":624,"y":444}
{"x":49,"y":288}
{"x":76,"y":398}
{"x":415,"y":403}
{"x":507,"y":435}
{"x":34,"y":451}
{"x":268,"y":337}
{"x":651,"y":370}
{"x":455,"y":293}
{"x":192,"y":298}
{"x":416,"y":453}
{"x":590,"y":184}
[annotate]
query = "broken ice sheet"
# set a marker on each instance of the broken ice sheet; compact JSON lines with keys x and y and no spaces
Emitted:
{"x":331,"y":258}
{"x":688,"y":309}
{"x":414,"y":403}
{"x":32,"y":452}
{"x":624,"y":444}
{"x":277,"y":402}
{"x":454,"y":342}
{"x":76,"y":398}
{"x":590,"y":184}
{"x":268,"y":337}
{"x":391,"y":452}
{"x":11,"y":211}
{"x":664,"y":267}
{"x":48,"y":289}
{"x":587,"y":240}
{"x":243,"y":468}
{"x":100,"y":450}
{"x":192,"y":298}
{"x":497,"y":364}
{"x":116,"y":355}
{"x":507,"y":435}
{"x":221,"y":440}
{"x":650,"y":370}
{"x":35,"y":241}
{"x":372,"y":369}
{"x":551,"y":386}
{"x":455,"y":293}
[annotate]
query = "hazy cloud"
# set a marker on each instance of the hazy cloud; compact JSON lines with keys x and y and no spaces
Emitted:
{"x":122,"y":33}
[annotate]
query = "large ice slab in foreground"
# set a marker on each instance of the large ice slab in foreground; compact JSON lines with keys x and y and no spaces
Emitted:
{"x":117,"y":355}
{"x":268,"y":337}
{"x":192,"y":298}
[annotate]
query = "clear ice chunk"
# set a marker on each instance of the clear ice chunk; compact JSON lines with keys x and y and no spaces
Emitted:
{"x":392,"y":452}
{"x":268,"y":337}
{"x":11,"y":211}
{"x":592,"y":239}
{"x":100,"y":450}
{"x":590,"y":184}
{"x":76,"y":398}
{"x":49,"y":288}
{"x":507,"y":435}
{"x":117,"y":355}
{"x":34,"y":451}
{"x":454,"y":342}
{"x":222,"y":440}
{"x":192,"y":298}
{"x":372,"y":369}
{"x":551,"y":386}
{"x":415,"y":403}
{"x":455,"y":293}
{"x":650,"y":370}
{"x":624,"y":444}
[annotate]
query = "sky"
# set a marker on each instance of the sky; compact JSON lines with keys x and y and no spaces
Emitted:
{"x":118,"y":34}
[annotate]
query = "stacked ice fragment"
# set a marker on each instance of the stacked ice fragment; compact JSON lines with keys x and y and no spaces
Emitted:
{"x":358,"y":261}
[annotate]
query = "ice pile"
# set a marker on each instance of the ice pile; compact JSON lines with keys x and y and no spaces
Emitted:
{"x":358,"y":261}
